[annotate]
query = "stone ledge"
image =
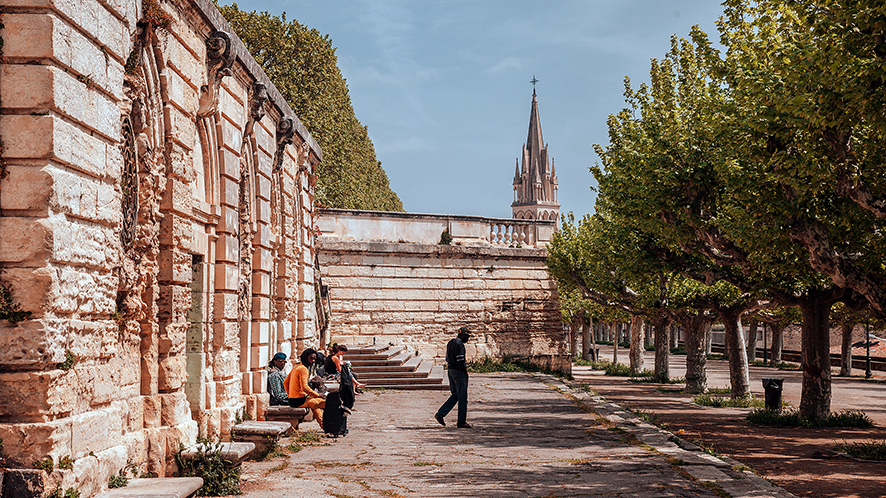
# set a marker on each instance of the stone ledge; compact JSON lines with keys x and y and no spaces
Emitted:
{"x":329,"y":245}
{"x":232,"y":452}
{"x":168,"y":487}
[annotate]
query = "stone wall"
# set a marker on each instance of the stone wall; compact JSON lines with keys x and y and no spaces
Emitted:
{"x":155,"y":214}
{"x":417,"y":295}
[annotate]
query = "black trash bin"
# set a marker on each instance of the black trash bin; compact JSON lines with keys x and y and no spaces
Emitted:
{"x":773,"y":389}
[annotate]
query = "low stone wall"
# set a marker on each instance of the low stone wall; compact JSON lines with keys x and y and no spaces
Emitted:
{"x":380,"y":226}
{"x":417,"y":295}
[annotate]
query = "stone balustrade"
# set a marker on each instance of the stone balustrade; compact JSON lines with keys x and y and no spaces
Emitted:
{"x":376,"y":226}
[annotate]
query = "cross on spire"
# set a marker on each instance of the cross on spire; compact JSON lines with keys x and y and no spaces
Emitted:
{"x":534,"y":80}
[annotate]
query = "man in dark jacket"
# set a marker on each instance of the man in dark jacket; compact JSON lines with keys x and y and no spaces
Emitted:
{"x":458,"y":379}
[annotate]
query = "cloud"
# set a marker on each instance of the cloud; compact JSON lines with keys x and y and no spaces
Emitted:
{"x":507,"y":64}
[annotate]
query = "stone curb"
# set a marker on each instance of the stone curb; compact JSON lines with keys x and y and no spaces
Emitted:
{"x":703,"y":467}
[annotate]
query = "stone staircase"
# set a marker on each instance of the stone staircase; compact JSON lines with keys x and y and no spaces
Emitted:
{"x":392,"y":367}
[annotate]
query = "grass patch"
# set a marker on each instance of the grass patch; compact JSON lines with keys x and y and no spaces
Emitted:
{"x":509,"y":364}
{"x":792,"y":418}
{"x":308,"y":437}
{"x":293,"y":447}
{"x":677,"y":350}
{"x":654,"y":380}
{"x":721,"y":401}
{"x":425,"y":464}
{"x":716,"y":356}
{"x":782,"y":365}
{"x":720,"y":390}
{"x":871,"y":450}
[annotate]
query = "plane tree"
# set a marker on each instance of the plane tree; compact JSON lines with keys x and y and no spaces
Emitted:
{"x":606,"y":265}
{"x":808,"y":82}
{"x":681,"y":167}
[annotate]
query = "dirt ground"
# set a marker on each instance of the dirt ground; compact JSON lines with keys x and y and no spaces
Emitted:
{"x":798,"y":460}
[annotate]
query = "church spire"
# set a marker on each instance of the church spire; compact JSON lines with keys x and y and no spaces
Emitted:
{"x":535,"y":184}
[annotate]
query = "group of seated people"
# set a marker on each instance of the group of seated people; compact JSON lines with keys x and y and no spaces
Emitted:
{"x":305,"y":385}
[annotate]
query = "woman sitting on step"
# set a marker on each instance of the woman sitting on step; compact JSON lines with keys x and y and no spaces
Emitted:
{"x":335,"y":362}
{"x":299,"y":392}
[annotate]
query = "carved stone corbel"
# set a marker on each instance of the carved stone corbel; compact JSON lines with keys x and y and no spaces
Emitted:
{"x":285,"y":132}
{"x":257,"y":98}
{"x":220,"y":53}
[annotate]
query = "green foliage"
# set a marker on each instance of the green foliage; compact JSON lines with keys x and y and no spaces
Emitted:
{"x":308,"y":437}
{"x":46,"y":464}
{"x":70,"y":359}
{"x":66,"y":462}
{"x":293,"y":447}
{"x":302,"y":65}
{"x":508,"y":364}
{"x":718,"y":401}
{"x":69,"y":493}
{"x":118,"y":481}
{"x":677,"y":350}
{"x":792,"y":418}
{"x":871,"y":450}
{"x":220,"y":477}
{"x":445,"y":238}
{"x":9,"y":310}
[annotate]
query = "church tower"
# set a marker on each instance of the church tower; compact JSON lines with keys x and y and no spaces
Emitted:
{"x":535,"y":183}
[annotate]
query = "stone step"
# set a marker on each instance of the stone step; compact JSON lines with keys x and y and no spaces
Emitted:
{"x":367,"y":349}
{"x":408,"y":387}
{"x":415,"y":367}
{"x":161,"y":487}
{"x":409,"y":365}
{"x":385,"y":352}
{"x":264,"y":434}
{"x":399,"y":359}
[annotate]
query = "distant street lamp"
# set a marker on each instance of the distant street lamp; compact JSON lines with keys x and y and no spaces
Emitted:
{"x":867,"y":344}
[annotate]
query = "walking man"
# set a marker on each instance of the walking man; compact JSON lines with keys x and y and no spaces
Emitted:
{"x":458,"y":379}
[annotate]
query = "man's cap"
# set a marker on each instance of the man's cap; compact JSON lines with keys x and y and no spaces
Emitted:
{"x":279,"y":356}
{"x":465,"y":331}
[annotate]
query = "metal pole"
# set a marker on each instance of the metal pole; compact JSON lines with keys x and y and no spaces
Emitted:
{"x":867,"y":372}
{"x":765,"y":349}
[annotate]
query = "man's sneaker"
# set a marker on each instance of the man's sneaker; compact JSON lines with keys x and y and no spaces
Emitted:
{"x":439,"y":419}
{"x":465,"y":426}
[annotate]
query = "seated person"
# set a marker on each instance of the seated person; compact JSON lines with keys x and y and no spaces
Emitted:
{"x":276,"y":376}
{"x":299,"y":392}
{"x":336,"y":363}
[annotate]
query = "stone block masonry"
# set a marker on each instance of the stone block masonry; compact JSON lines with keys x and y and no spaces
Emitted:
{"x":155,"y":212}
{"x":417,"y":295}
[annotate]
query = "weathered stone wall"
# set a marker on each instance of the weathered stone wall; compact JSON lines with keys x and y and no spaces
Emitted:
{"x":417,"y":295}
{"x":155,"y":214}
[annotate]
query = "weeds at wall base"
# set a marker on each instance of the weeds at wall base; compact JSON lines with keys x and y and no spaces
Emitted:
{"x":792,"y":418}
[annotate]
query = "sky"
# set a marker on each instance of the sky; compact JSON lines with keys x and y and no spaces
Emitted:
{"x":444,"y":85}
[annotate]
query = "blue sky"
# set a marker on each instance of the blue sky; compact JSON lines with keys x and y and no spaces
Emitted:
{"x":443,"y":85}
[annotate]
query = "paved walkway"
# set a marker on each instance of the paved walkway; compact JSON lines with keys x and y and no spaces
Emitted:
{"x":533,"y":436}
{"x":847,"y":393}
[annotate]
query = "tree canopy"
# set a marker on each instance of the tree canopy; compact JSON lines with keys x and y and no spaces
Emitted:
{"x":760,"y":166}
{"x":302,"y":64}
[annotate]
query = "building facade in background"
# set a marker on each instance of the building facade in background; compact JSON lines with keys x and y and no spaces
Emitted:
{"x":156,"y":199}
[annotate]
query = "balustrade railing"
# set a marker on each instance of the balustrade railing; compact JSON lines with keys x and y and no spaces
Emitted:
{"x":516,"y":234}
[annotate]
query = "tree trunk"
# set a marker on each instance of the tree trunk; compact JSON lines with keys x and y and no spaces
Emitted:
{"x":777,"y":341}
{"x":636,"y":354}
{"x":662,"y":366}
{"x":695,"y":327}
{"x":570,"y":341}
{"x":815,"y":354}
{"x":708,"y":337}
{"x":846,"y":349}
{"x":588,"y":347}
{"x":614,"y":328}
{"x":752,"y":340}
{"x":738,"y":358}
{"x":673,"y":335}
